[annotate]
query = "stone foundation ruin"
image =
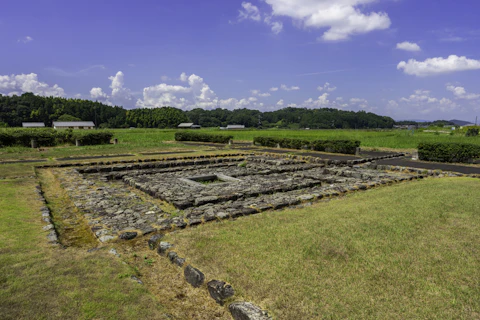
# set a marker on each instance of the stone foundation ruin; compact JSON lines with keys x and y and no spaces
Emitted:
{"x":138,"y":198}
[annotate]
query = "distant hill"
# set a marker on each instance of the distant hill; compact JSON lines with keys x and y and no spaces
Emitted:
{"x":460,"y":122}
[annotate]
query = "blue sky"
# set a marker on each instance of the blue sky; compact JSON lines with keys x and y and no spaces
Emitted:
{"x":407,"y":59}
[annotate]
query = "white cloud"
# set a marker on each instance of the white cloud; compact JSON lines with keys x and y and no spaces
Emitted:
{"x":196,"y":95}
{"x":359,"y":102}
{"x":98,"y":94}
{"x":26,"y":39}
{"x":422,"y":102}
{"x":434,"y":66}
{"x":343,"y":18}
{"x":21,"y":83}
{"x":183,"y":77}
{"x":276,"y":26}
{"x":292,"y":88}
{"x":408,"y":46}
{"x":260,"y":94}
{"x":164,"y":78}
{"x":249,"y":12}
{"x":321,"y":101}
{"x":461,"y":93}
{"x":280,"y":103}
{"x":326,"y":87}
{"x":120,"y":96}
{"x":274,"y":89}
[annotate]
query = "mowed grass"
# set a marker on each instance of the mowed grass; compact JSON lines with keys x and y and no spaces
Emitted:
{"x":38,"y":281}
{"x":408,"y":251}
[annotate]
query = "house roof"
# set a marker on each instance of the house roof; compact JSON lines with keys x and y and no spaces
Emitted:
{"x":185,"y":125}
{"x":33,"y":124}
{"x":73,"y":124}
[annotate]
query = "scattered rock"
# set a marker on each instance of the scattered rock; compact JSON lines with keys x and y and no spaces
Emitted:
{"x":194,"y":276}
{"x":220,"y":291}
{"x":128,"y":235}
{"x":136,"y":279}
{"x":172,"y":255}
{"x":114,"y":252}
{"x":153,"y":241}
{"x":48,"y":227}
{"x":106,"y":238}
{"x":179,"y":261}
{"x":247,"y":311}
{"x":163,"y":247}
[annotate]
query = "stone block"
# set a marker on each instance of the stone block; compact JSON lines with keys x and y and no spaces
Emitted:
{"x":154,"y":240}
{"x":194,"y":276}
{"x":220,"y":291}
{"x":163,"y":247}
{"x":247,"y":311}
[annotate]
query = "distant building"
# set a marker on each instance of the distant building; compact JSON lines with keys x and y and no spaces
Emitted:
{"x":188,"y":125}
{"x":33,"y":125}
{"x":87,"y":125}
{"x":235,"y":127}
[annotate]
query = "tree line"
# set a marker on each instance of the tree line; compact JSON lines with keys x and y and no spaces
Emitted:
{"x":31,"y":108}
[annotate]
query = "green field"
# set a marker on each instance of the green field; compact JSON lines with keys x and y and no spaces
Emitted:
{"x":409,"y":251}
{"x":148,"y":140}
{"x":403,"y":251}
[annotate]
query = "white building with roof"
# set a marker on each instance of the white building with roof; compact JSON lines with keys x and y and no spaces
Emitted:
{"x":235,"y":127}
{"x":33,"y":125}
{"x":87,"y":125}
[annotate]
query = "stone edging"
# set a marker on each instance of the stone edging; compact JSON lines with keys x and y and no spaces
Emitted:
{"x":329,"y":161}
{"x":218,"y":290}
{"x":81,"y":164}
{"x":52,"y":236}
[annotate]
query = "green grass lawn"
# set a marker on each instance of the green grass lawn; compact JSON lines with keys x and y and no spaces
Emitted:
{"x":150,"y":140}
{"x":41,"y":282}
{"x":408,"y":251}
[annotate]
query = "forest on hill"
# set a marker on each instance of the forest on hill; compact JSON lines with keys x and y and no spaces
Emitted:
{"x":31,"y":108}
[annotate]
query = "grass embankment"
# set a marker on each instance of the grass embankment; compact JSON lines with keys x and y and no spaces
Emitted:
{"x":41,"y":282}
{"x":400,"y":252}
{"x":38,"y":281}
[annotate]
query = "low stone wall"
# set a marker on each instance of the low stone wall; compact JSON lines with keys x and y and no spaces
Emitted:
{"x":52,"y":236}
{"x":218,"y":290}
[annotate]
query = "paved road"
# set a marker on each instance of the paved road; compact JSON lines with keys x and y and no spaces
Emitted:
{"x":404,"y":162}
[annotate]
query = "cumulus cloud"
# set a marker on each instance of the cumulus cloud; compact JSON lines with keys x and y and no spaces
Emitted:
{"x":286,"y":88}
{"x":435,"y":66}
{"x":321,"y":102}
{"x":280,"y":103}
{"x":98,"y":94}
{"x":25,"y":39}
{"x":461,"y":93}
{"x":342,"y":18}
{"x":119,"y":95}
{"x":327,"y":87}
{"x":196,"y":94}
{"x":408,"y":46}
{"x":274,"y":89}
{"x":21,"y":83}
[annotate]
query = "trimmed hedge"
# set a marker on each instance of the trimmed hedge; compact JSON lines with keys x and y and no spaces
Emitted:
{"x":50,"y":137}
{"x":333,"y":146}
{"x":448,"y":152}
{"x":92,"y":137}
{"x":203,"y":137}
{"x":22,"y":137}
